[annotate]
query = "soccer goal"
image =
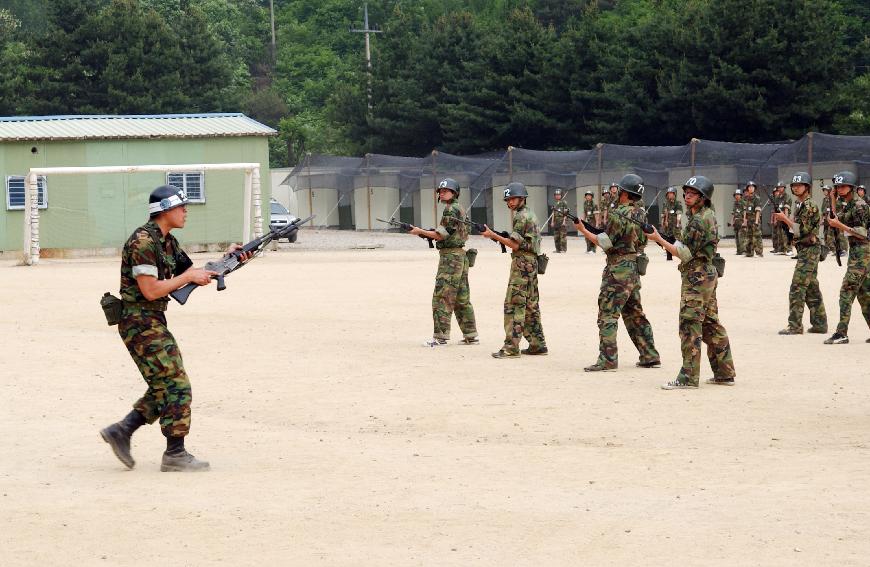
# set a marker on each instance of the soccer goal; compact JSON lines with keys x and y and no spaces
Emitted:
{"x":252,"y":195}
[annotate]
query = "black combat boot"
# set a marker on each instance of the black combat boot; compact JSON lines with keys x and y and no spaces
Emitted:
{"x":118,"y":436}
{"x":177,"y":459}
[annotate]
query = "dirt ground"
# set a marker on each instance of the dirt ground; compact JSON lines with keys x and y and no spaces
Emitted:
{"x":336,"y":439}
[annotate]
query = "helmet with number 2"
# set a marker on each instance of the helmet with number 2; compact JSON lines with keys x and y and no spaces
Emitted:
{"x":451,"y":184}
{"x":845,"y":178}
{"x":515,"y":189}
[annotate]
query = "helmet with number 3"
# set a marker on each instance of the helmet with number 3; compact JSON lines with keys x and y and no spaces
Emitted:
{"x":700,"y":184}
{"x":801,"y":177}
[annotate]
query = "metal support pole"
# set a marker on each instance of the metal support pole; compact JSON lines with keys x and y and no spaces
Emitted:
{"x":258,"y":200}
{"x":246,"y":208}
{"x":600,"y":148}
{"x":30,"y":242}
{"x":435,"y":186}
{"x":810,"y":154}
{"x":310,"y":192}
{"x":694,"y":144}
{"x":368,"y":191}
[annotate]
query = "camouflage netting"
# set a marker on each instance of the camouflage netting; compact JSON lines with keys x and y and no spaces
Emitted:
{"x":728,"y":165}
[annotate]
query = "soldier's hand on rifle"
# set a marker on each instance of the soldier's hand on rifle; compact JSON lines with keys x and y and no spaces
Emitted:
{"x":835,"y":223}
{"x":487,"y":233}
{"x":243,"y":257}
{"x":416,"y":231}
{"x":655,"y":236}
{"x":780,"y":217}
{"x":200,"y":276}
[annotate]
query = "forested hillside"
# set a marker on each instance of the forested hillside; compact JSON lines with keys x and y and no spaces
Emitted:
{"x":461,"y":76}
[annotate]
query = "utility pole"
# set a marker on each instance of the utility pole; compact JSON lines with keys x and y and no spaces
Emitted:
{"x":272,"y":18}
{"x":367,"y":30}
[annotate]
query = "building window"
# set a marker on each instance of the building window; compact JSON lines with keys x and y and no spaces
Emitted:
{"x":15,"y":192}
{"x":193,"y":184}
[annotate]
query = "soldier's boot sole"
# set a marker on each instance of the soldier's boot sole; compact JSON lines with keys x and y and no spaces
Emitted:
{"x":720,"y":381}
{"x":119,"y":441}
{"x":183,"y":462}
{"x":650,"y":364}
{"x":599,"y":368}
{"x":818,"y":330}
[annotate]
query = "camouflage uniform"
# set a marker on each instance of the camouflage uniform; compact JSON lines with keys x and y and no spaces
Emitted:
{"x":805,"y":281}
{"x":699,"y":310}
{"x":606,"y":202}
{"x":828,"y":232}
{"x":144,"y":332}
{"x":670,"y":219}
{"x":560,"y":228}
{"x":620,"y":292}
{"x":737,"y":222}
{"x":786,"y":241}
{"x":589,"y":212}
{"x":452,"y":294}
{"x":856,"y":283}
{"x":752,"y":229}
{"x":779,"y":239}
{"x":522,"y":312}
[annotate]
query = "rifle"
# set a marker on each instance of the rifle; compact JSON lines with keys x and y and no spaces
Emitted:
{"x":479,"y":227}
{"x":788,"y":235}
{"x":646,"y":227}
{"x":231,"y":262}
{"x":577,"y":220}
{"x":837,"y":250}
{"x":406,"y":227}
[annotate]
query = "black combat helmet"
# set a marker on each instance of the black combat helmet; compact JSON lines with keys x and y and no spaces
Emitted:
{"x":700,"y":184}
{"x":801,"y":177}
{"x":515,"y":189}
{"x":165,"y":198}
{"x":845,"y":178}
{"x":449,"y":183}
{"x":631,"y":184}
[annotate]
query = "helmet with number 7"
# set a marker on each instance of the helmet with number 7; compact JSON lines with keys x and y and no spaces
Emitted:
{"x":451,"y":184}
{"x":515,"y":189}
{"x":631,"y":184}
{"x":165,"y":198}
{"x":700,"y":184}
{"x":845,"y":178}
{"x":801,"y":177}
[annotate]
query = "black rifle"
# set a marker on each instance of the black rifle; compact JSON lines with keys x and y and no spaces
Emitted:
{"x":232,"y":261}
{"x":646,"y":227}
{"x":778,"y":209}
{"x":577,"y":220}
{"x":406,"y":227}
{"x":837,"y":250}
{"x":480,"y":227}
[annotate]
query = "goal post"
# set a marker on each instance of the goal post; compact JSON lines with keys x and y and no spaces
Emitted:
{"x":252,"y":196}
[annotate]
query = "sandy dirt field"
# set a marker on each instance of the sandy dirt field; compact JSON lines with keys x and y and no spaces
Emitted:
{"x":336,"y":439}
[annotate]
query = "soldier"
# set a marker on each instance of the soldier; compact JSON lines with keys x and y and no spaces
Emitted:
{"x":833,"y":237}
{"x":558,"y":224}
{"x":152,"y":266}
{"x":699,"y":310}
{"x":672,"y":217}
{"x":452,"y":294}
{"x":737,"y":222}
{"x":860,"y":191}
{"x":777,"y":200}
{"x":620,"y":282}
{"x":805,"y":281}
{"x":752,"y":221}
{"x":590,"y":215}
{"x":522,"y":312}
{"x":853,"y":221}
{"x":608,"y":201}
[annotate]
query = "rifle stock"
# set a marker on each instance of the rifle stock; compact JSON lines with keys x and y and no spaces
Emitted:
{"x":406,"y":227}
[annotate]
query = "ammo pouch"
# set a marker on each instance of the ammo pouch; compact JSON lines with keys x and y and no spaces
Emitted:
{"x":112,"y":307}
{"x":719,"y":264}
{"x":543,"y":260}
{"x":823,"y":253}
{"x":471,"y":254}
{"x":642,"y":263}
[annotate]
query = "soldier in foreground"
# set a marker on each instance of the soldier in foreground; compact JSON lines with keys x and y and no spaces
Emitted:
{"x":737,"y":222}
{"x":852,"y":221}
{"x":522,"y":311}
{"x":672,"y":217}
{"x":452,"y":294}
{"x":590,"y":215}
{"x":152,"y":266}
{"x":805,"y":281}
{"x":752,"y":221}
{"x":620,"y":282}
{"x":558,"y":223}
{"x":699,"y":310}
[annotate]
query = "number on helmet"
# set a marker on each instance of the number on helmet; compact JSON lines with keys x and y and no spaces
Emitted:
{"x":838,"y":179}
{"x":796,"y":179}
{"x":692,"y":181}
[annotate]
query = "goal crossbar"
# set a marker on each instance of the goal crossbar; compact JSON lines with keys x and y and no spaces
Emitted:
{"x":253,"y":195}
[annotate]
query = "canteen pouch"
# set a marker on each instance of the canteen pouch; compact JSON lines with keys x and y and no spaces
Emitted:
{"x":642,"y":263}
{"x":823,"y":253}
{"x":112,"y":307}
{"x":471,"y":254}
{"x":543,"y":260}
{"x":719,"y":264}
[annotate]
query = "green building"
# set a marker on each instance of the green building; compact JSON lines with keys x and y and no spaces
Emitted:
{"x":96,"y":212}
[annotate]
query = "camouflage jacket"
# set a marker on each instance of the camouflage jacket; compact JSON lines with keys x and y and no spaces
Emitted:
{"x":620,"y":236}
{"x":525,"y":231}
{"x":559,"y":211}
{"x":670,"y":214}
{"x":855,"y":215}
{"x":751,"y":205}
{"x":737,"y":212}
{"x":454,"y":231}
{"x":139,"y":257}
{"x":700,"y":239}
{"x":604,"y":208}
{"x":640,"y":215}
{"x":589,"y":210}
{"x":807,"y":219}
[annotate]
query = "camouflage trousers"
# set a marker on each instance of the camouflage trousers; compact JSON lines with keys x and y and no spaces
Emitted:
{"x":620,"y":296}
{"x":739,"y":238}
{"x":752,"y":239}
{"x":805,"y":290}
{"x":856,"y":284}
{"x":560,"y":236}
{"x":452,"y":296}
{"x":522,"y":311}
{"x":156,"y":354}
{"x":699,"y":321}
